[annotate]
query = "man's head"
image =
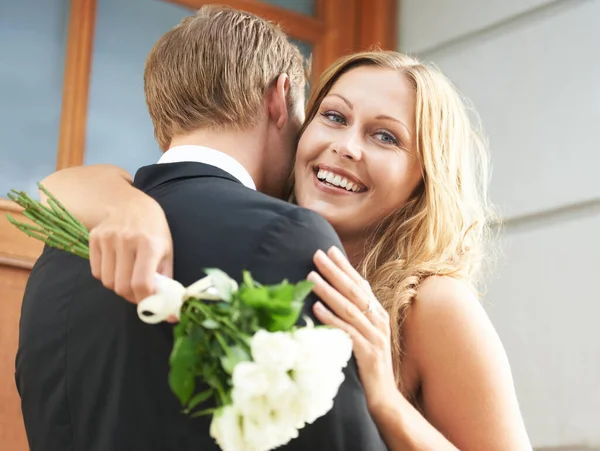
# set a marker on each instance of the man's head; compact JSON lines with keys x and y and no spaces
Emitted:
{"x":228,"y":71}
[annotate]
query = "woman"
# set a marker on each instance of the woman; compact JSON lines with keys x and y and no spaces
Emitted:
{"x":388,"y":156}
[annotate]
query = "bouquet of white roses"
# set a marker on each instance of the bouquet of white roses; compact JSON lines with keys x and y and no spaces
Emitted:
{"x":237,"y":354}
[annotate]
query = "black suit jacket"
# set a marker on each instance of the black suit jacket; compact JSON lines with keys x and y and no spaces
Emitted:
{"x":93,"y":377}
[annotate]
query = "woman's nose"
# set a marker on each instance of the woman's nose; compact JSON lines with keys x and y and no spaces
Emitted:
{"x":349,"y":149}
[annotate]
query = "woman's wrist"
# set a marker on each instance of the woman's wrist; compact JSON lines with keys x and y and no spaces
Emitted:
{"x":388,"y":406}
{"x":392,"y":414}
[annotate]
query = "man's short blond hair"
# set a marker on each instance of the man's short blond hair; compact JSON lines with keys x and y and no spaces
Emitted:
{"x":213,"y":69}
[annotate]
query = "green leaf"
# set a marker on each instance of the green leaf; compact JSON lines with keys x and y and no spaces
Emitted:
{"x":302,"y":290}
{"x":180,"y":328}
{"x":282,"y":319}
{"x":210,"y":324}
{"x":257,"y":297}
{"x":203,"y":412}
{"x":183,"y":353}
{"x":222,"y":283}
{"x":236,"y":355}
{"x":284,"y":292}
{"x":282,"y":323}
{"x":182,"y":382}
{"x":199,"y":398}
{"x":247,"y":279}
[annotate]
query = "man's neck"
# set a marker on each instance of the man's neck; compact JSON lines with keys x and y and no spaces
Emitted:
{"x":246,"y":147}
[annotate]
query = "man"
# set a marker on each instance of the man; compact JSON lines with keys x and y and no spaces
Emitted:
{"x":225,"y":90}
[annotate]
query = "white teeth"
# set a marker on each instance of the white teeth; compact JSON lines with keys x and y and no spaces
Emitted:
{"x":337,"y":180}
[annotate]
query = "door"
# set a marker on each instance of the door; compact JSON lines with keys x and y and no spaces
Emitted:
{"x":61,"y":105}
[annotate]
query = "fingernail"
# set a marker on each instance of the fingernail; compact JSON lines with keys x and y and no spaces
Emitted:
{"x":319,"y":307}
{"x":336,"y":251}
{"x":312,"y":276}
{"x":320,"y":254}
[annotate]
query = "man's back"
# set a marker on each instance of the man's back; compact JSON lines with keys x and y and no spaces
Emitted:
{"x":94,"y":377}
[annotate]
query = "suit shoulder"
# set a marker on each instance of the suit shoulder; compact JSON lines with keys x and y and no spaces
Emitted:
{"x":299,"y":228}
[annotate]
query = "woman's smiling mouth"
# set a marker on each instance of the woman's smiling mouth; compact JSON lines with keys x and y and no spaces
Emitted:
{"x":338,"y":180}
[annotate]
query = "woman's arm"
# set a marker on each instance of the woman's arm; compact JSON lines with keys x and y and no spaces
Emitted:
{"x":91,"y":192}
{"x":130,"y":239}
{"x":467,"y":387}
{"x":468,"y":396}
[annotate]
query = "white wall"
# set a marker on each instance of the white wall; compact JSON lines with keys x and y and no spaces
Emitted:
{"x":532,"y":69}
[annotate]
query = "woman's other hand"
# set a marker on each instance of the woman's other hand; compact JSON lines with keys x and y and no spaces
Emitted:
{"x":356,"y":311}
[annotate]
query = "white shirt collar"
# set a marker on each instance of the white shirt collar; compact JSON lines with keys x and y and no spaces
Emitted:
{"x":206,"y":155}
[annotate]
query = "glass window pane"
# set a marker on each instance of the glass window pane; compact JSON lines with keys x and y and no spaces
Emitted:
{"x":119,"y":129}
{"x":306,"y":50}
{"x":306,"y":7}
{"x":32,"y":58}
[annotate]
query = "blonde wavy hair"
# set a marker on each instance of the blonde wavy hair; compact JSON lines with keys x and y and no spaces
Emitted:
{"x":444,"y":228}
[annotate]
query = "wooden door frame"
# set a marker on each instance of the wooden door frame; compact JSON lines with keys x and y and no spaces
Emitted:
{"x":76,"y":83}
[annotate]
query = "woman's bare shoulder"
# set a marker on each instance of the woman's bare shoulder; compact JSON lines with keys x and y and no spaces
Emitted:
{"x":444,"y":313}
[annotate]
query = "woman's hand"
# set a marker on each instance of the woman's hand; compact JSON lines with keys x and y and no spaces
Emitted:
{"x":130,"y":239}
{"x":130,"y":245}
{"x":361,"y":315}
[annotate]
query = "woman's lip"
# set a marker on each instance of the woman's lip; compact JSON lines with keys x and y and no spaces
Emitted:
{"x":343,"y":173}
{"x":329,"y":189}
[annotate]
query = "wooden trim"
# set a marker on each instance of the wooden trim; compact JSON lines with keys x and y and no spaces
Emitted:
{"x":78,"y":65}
{"x":16,"y":249}
{"x":296,"y":25}
{"x":376,"y":25}
{"x":9,"y":206}
{"x":16,"y":262}
{"x":339,"y":18}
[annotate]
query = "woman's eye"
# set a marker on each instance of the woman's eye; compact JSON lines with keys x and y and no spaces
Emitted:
{"x":334,"y":117}
{"x":387,"y":138}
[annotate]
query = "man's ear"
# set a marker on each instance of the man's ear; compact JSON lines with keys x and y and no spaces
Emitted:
{"x":277,"y":100}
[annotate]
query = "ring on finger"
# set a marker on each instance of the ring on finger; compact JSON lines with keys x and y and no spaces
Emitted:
{"x":369,"y":308}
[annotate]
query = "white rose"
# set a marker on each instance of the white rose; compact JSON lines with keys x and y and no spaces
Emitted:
{"x":322,"y":355}
{"x":274,"y":349}
{"x":259,"y":390}
{"x":318,"y":390}
{"x":225,"y":428}
{"x":262,"y":432}
{"x":250,"y":380}
{"x":281,"y":388}
{"x":322,"y":346}
{"x":266,"y":397}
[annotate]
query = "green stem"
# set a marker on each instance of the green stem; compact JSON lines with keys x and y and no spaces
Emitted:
{"x":59,"y":213}
{"x":223,"y":344}
{"x":206,"y":310}
{"x":221,"y":392}
{"x":54,"y":223}
{"x":203,"y":412}
{"x":54,"y":200}
{"x":62,"y":238}
{"x":55,"y":226}
{"x":48,"y":217}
